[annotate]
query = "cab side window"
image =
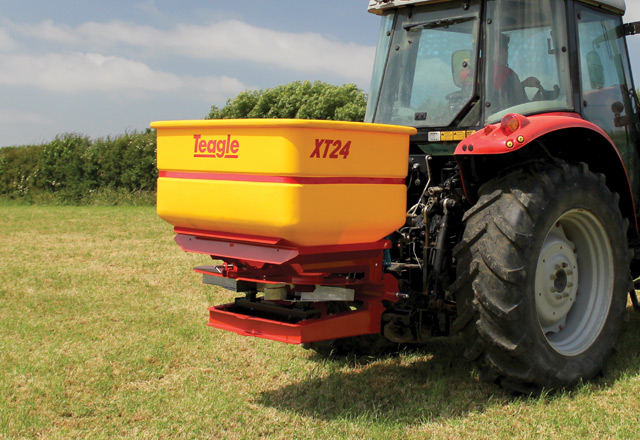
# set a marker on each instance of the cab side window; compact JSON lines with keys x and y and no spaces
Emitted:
{"x":604,"y":72}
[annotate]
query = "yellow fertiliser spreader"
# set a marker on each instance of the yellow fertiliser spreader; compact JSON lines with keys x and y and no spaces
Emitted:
{"x":297,"y":210}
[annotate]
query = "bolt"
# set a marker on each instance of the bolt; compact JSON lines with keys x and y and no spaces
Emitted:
{"x":564,"y":265}
{"x":553,"y":277}
{"x":558,"y":296}
{"x":569,"y":284}
{"x":554,"y":290}
{"x":565,"y":294}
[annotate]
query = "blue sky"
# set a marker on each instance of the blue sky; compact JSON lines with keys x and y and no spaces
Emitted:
{"x":105,"y":67}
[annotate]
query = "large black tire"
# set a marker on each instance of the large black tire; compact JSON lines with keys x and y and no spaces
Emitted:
{"x":543,"y":274}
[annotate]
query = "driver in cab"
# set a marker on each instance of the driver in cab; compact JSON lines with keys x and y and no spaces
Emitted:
{"x":507,"y":87}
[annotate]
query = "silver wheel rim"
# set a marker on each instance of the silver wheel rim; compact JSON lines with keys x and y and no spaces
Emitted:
{"x":574,"y":282}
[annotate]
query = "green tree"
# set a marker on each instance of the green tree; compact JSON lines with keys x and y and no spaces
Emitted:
{"x":297,"y":100}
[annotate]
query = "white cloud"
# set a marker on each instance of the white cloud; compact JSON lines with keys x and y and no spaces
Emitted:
{"x":225,"y":40}
{"x":6,"y":42}
{"x":46,"y":30}
{"x":80,"y":72}
{"x":10,"y":116}
{"x":633,"y":11}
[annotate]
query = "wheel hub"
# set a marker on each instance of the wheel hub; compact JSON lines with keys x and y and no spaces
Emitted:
{"x":576,"y":254}
{"x":556,"y":280}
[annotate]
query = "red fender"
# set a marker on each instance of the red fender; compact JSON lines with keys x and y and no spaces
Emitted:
{"x":516,"y":131}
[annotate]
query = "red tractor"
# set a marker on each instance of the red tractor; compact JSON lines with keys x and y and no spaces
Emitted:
{"x":518,"y":225}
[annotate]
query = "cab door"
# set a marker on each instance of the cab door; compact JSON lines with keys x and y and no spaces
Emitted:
{"x":605,"y":82}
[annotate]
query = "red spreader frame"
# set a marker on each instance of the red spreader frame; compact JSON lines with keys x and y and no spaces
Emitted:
{"x":251,"y":261}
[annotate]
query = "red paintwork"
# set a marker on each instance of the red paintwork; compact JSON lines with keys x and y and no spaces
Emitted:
{"x":493,"y":139}
{"x":360,"y":322}
{"x":226,"y":236}
{"x":261,"y":260}
{"x":292,"y":180}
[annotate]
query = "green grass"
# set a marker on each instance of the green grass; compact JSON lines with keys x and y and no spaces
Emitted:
{"x":80,"y":197}
{"x":102,"y":335}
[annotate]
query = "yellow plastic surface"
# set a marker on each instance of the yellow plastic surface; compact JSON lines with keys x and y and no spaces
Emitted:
{"x":308,"y":182}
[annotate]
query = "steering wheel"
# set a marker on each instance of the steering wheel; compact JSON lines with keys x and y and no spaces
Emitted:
{"x":533,"y":82}
{"x":540,"y":94}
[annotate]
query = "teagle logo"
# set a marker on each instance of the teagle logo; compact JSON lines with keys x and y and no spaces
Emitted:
{"x":219,"y":148}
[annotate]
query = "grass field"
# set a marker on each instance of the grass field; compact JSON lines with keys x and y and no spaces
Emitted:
{"x":102,"y":335}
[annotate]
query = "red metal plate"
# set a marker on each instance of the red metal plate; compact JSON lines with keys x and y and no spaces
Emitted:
{"x":361,"y":322}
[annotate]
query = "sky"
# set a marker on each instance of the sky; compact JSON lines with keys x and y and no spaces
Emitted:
{"x":103,"y":68}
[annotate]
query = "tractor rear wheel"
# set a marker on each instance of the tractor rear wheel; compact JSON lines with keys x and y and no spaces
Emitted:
{"x":543,"y":273}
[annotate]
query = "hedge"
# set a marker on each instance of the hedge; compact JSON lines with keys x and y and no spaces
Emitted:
{"x":75,"y":169}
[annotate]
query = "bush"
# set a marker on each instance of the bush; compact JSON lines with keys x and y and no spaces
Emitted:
{"x":300,"y":99}
{"x":19,"y":170}
{"x":127,"y":162}
{"x":74,"y":169}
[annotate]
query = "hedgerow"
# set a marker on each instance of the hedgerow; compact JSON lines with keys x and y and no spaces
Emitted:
{"x":76,"y":169}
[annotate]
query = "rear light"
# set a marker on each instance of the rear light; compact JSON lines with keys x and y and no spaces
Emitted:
{"x":510,"y":124}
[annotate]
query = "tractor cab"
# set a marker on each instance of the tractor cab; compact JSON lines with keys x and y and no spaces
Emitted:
{"x":447,"y":67}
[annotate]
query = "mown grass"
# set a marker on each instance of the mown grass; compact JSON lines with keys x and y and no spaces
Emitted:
{"x":102,"y":335}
